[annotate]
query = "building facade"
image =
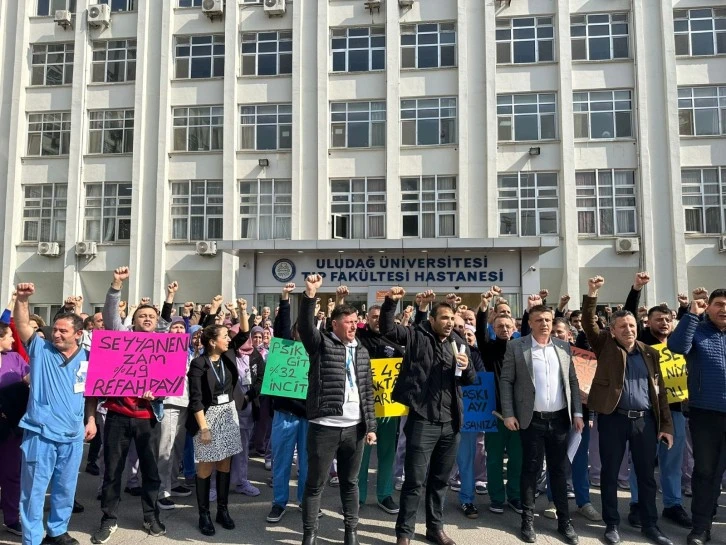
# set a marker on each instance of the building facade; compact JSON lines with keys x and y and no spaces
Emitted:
{"x":446,"y":144}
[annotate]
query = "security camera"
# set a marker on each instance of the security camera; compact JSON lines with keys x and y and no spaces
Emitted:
{"x":532,"y":268}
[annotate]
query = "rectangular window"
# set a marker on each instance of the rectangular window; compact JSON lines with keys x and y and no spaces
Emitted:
{"x":108,"y":212}
{"x":44,"y":212}
{"x":525,"y":40}
{"x":196,"y":210}
{"x":120,"y":5}
{"x":700,"y":31}
{"x":49,"y":7}
{"x":265,"y":208}
{"x":111,"y":131}
{"x":606,"y":202}
{"x":49,"y":133}
{"x":528,"y":204}
{"x":428,"y":45}
{"x":702,"y":111}
{"x":428,"y":121}
{"x":190,"y":3}
{"x":704,"y":200}
{"x":52,"y":64}
{"x":357,"y":124}
{"x":199,"y":56}
{"x":113,"y":61}
{"x":526,"y":117}
{"x":428,"y":206}
{"x":358,"y":207}
{"x":198,"y":128}
{"x":266,"y":127}
{"x":603,"y":114}
{"x":267,"y":53}
{"x":358,"y":49}
{"x":599,"y":36}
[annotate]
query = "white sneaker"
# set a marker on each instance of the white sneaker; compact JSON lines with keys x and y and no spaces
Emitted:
{"x":551,"y":511}
{"x":589,"y":512}
{"x":268,"y":465}
{"x":398,"y":485}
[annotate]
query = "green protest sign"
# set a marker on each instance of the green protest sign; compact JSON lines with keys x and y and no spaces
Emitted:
{"x":286,"y":370}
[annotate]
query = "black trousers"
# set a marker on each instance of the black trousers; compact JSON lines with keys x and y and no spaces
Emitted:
{"x":615,"y":430}
{"x":708,"y":433}
{"x":430,"y":450}
{"x":545,"y":438}
{"x":325,"y":443}
{"x":118,"y":433}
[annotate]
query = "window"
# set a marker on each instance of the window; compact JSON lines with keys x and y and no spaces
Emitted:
{"x":603,"y":114}
{"x":108,"y":212}
{"x":198,"y":128}
{"x":266,"y":53}
{"x":599,"y":36}
{"x":52,"y":64}
{"x":44,"y":212}
{"x":428,"y":206}
{"x":49,"y":7}
{"x":190,"y":3}
{"x":357,"y":124}
{"x":704,"y":200}
{"x":606,"y":202}
{"x":528,"y":203}
{"x":700,"y":31}
{"x":525,"y":40}
{"x":199,"y":56}
{"x":428,"y":45}
{"x":113,"y":61}
{"x":111,"y":131}
{"x":196,"y":210}
{"x":120,"y":5}
{"x":49,"y":133}
{"x":358,"y":49}
{"x":358,"y":207}
{"x":266,"y":127}
{"x":702,"y":110}
{"x":266,"y":209}
{"x":526,"y":117}
{"x":428,"y":121}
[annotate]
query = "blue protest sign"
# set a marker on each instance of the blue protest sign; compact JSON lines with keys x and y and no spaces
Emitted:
{"x":480,"y":399}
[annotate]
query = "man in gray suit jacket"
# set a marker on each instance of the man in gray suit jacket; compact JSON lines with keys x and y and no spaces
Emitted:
{"x":540,"y":396}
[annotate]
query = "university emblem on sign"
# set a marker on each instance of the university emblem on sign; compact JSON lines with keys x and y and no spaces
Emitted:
{"x":283,"y":270}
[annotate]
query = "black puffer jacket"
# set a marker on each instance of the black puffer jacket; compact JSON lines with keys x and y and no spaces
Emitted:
{"x":326,"y":378}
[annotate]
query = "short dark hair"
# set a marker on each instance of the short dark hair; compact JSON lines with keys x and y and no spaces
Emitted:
{"x":539,"y":309}
{"x":75,"y":320}
{"x":374,"y":307}
{"x":142,"y":307}
{"x":620,"y":314}
{"x":4,"y":328}
{"x":562,"y":321}
{"x":575,"y":314}
{"x":721,"y":292}
{"x":500,"y":303}
{"x":663,"y":309}
{"x":437,"y":306}
{"x":210,"y":333}
{"x":88,"y":321}
{"x":343,"y":310}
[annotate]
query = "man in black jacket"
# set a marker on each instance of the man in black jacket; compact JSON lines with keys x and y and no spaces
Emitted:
{"x":434,"y":369}
{"x":339,"y":406}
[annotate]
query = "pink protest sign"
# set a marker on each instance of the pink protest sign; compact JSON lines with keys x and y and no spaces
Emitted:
{"x":127,"y":364}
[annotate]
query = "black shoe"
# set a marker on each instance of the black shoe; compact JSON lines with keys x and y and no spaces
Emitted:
{"x":350,"y":537}
{"x":566,"y":530}
{"x":389,"y":506}
{"x":310,"y":538}
{"x":276,"y":513}
{"x":135,"y":491}
{"x":15,"y":529}
{"x":205,"y":524}
{"x":155,"y":528}
{"x":612,"y":535}
{"x":470,"y":510}
{"x":516,"y":506}
{"x":93,"y":469}
{"x":654,"y":534}
{"x":527,"y":532}
{"x":222,"y":498}
{"x":77,"y":507}
{"x":103,"y":534}
{"x":63,"y":539}
{"x":698,"y":538}
{"x":678,"y":515}
{"x":205,"y":520}
{"x":166,"y":504}
{"x":634,"y":516}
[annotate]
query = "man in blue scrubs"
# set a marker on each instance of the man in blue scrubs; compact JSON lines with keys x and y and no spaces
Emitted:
{"x":52,"y":444}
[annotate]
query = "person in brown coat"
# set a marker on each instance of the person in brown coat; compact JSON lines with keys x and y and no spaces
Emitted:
{"x":629,"y":396}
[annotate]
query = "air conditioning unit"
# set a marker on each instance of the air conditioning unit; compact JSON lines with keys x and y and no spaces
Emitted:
{"x":207,"y":247}
{"x":373,"y":5}
{"x":213,"y":8}
{"x":627,"y":245}
{"x":405,"y":3}
{"x":722,"y":245}
{"x":274,"y":7}
{"x":49,"y":249}
{"x":86,"y":248}
{"x":99,"y":15}
{"x":63,"y":17}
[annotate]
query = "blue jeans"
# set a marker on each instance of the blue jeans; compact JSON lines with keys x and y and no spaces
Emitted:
{"x":288,"y":431}
{"x":669,"y":462}
{"x":580,"y":472}
{"x":465,"y":461}
{"x":188,"y":462}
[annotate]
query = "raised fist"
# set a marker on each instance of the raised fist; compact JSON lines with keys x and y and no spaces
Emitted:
{"x":486,"y":297}
{"x":496,"y":290}
{"x":289,"y":287}
{"x":396,"y":293}
{"x":543,"y":293}
{"x":698,"y":306}
{"x":342,"y":291}
{"x":121,"y":305}
{"x":229,"y":307}
{"x":453,"y":299}
{"x":418,"y":298}
{"x":242,"y":305}
{"x":462,"y":308}
{"x":641,"y":279}
{"x":682,"y":300}
{"x":145,"y":301}
{"x":700,"y":293}
{"x":595,"y":283}
{"x":24,"y":290}
{"x":533,"y":300}
{"x":189,"y":305}
{"x":312,"y":284}
{"x":408,"y":311}
{"x":428,"y":297}
{"x":120,"y":274}
{"x":564,"y":300}
{"x":70,"y":302}
{"x":172,"y":288}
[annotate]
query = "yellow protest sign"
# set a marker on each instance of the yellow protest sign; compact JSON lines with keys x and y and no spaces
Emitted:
{"x":385,"y":372}
{"x":675,"y":374}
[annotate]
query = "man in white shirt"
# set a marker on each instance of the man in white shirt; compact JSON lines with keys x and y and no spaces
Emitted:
{"x":536,"y":388}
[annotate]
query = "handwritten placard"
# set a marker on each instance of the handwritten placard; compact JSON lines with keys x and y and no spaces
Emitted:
{"x":675,"y":374}
{"x":286,"y":370}
{"x":128,"y":364}
{"x":385,"y":372}
{"x":585,"y":363}
{"x":480,"y":399}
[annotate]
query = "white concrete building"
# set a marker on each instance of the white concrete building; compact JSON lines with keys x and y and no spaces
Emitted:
{"x":450,"y":144}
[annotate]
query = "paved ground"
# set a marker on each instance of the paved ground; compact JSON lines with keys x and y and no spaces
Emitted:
{"x":376,"y":527}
